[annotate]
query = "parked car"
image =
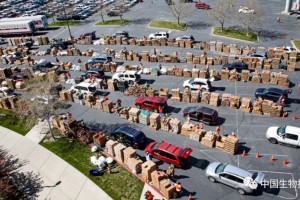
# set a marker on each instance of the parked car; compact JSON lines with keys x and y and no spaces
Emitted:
{"x":169,"y":153}
{"x":85,"y":88}
{"x":63,"y":17}
{"x":93,"y":34}
{"x":287,"y":49}
{"x":121,"y":33}
{"x":246,"y":10}
{"x":159,"y":35}
{"x":96,"y":72}
{"x":240,"y":179}
{"x":59,"y":44}
{"x":132,"y":137}
{"x":17,"y":55}
{"x":100,"y":59}
{"x":156,"y":104}
{"x":189,"y":38}
{"x":257,"y":55}
{"x":203,"y":114}
{"x":195,"y":83}
{"x":272,"y":94}
{"x":113,"y":13}
{"x":289,"y":135}
{"x":6,"y":92}
{"x":130,"y":76}
{"x":239,"y":66}
{"x":201,"y":5}
{"x":3,"y":41}
{"x":43,"y":66}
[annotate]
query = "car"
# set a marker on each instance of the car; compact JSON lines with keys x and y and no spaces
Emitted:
{"x":189,"y":38}
{"x":6,"y":92}
{"x":246,"y":10}
{"x":121,"y":33}
{"x":77,"y":17}
{"x":287,"y":49}
{"x":289,"y":135}
{"x":25,"y":44}
{"x":239,"y":66}
{"x":85,"y":88}
{"x":63,"y":17}
{"x":195,"y":83}
{"x":159,"y":35}
{"x":243,"y":181}
{"x":2,"y":41}
{"x":59,"y":44}
{"x":96,"y":72}
{"x":17,"y":55}
{"x":201,"y":5}
{"x":203,"y":114}
{"x":100,"y":59}
{"x":43,"y":66}
{"x":93,"y":34}
{"x":169,"y":153}
{"x":132,"y":137}
{"x":155,"y":104}
{"x":113,"y":13}
{"x":130,"y":76}
{"x":257,"y":55}
{"x":44,"y":99}
{"x":272,"y":94}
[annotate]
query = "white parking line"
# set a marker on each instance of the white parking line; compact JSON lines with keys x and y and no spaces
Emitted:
{"x":237,"y":123}
{"x":208,"y":155}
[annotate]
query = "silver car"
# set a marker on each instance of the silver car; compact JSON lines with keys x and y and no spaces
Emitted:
{"x":240,"y":179}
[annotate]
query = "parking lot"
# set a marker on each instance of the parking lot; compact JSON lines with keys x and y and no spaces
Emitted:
{"x":249,"y":128}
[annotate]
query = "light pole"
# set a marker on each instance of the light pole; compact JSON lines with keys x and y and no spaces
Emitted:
{"x":68,"y":24}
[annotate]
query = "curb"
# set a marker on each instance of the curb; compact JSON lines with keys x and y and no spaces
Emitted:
{"x":111,"y":25}
{"x":234,"y":38}
{"x":166,"y":28}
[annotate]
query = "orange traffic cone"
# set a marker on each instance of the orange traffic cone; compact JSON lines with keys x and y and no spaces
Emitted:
{"x":272,"y":159}
{"x":190,"y":197}
{"x":257,"y":155}
{"x":294,"y":117}
{"x":244,"y":153}
{"x":284,"y":162}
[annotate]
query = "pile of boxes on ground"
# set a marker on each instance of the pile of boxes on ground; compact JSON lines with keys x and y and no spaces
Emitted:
{"x":18,"y":40}
{"x":7,"y":56}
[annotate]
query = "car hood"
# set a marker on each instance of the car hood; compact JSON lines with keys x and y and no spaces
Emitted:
{"x":272,"y":131}
{"x":211,"y":168}
{"x":186,"y":82}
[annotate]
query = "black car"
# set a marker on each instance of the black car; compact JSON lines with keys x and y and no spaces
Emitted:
{"x":204,"y":114}
{"x":43,"y":66}
{"x":272,"y":94}
{"x":77,"y":17}
{"x":63,"y":17}
{"x":93,"y":34}
{"x":257,"y":54}
{"x":97,"y":73}
{"x":59,"y":44}
{"x":121,"y":33}
{"x":239,"y":66}
{"x":129,"y":136}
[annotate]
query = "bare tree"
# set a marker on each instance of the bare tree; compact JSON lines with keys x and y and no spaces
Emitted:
{"x":120,"y":5}
{"x":252,"y":17}
{"x":101,"y":10}
{"x":221,"y":11}
{"x":179,"y":9}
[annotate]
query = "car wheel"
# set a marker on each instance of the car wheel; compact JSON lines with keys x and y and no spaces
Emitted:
{"x":131,"y":82}
{"x":151,"y":38}
{"x":273,"y":141}
{"x":115,"y":81}
{"x":241,"y":191}
{"x":211,"y":179}
{"x":138,"y":106}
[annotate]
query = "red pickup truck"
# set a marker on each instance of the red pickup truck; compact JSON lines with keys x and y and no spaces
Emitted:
{"x":201,"y":5}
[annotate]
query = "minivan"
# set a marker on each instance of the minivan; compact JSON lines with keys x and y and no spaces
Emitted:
{"x":203,"y":114}
{"x":100,"y":59}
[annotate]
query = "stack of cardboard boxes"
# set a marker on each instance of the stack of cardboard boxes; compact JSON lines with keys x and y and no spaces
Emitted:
{"x":246,"y":105}
{"x":154,"y":121}
{"x":231,"y":144}
{"x":134,"y":115}
{"x":205,"y":97}
{"x":176,"y":95}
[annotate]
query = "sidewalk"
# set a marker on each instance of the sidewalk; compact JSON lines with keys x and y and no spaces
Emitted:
{"x":74,"y":185}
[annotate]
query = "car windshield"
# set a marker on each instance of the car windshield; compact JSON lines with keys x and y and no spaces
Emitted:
{"x":154,"y":146}
{"x":254,"y":175}
{"x":191,"y":81}
{"x":92,"y":89}
{"x":221,"y":168}
{"x":192,"y":109}
{"x":281,"y":131}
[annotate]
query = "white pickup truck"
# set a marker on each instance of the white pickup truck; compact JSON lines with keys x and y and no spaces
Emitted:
{"x":286,"y":135}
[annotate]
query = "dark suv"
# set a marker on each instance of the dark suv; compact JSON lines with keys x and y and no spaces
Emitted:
{"x":93,"y":34}
{"x":204,"y":114}
{"x":156,"y":104}
{"x":272,"y":94}
{"x":131,"y":136}
{"x":59,"y":44}
{"x":239,"y":66}
{"x":43,"y":66}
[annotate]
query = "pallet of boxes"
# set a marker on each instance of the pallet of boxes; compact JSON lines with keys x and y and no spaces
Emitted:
{"x":231,"y":144}
{"x":209,"y":139}
{"x":134,"y":115}
{"x":161,"y":182}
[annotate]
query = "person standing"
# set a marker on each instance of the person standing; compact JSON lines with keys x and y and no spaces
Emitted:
{"x":80,"y":97}
{"x":178,"y":189}
{"x":218,"y":129}
{"x":278,"y":19}
{"x":148,"y":156}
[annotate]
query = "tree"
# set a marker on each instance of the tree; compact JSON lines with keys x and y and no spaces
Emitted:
{"x":179,"y":9}
{"x":251,"y":19}
{"x":120,"y":6}
{"x":221,"y":11}
{"x":101,"y":9}
{"x":15,"y":184}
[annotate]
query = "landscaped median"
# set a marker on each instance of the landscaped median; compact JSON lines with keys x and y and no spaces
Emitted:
{"x":168,"y":25}
{"x":114,"y":22}
{"x":11,"y":121}
{"x":235,"y":34}
{"x":64,"y":23}
{"x":297,"y":44}
{"x":120,"y":184}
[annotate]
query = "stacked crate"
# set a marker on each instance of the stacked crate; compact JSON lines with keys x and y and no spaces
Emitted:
{"x":186,"y":129}
{"x":157,"y":176}
{"x":111,"y":85}
{"x":225,"y":74}
{"x":155,"y":121}
{"x":166,"y":188}
{"x":110,"y":147}
{"x":145,"y":56}
{"x":214,"y":99}
{"x":203,"y":60}
{"x":175,"y":126}
{"x":265,"y":76}
{"x":165,"y":123}
{"x":233,"y":75}
{"x":176,"y":95}
{"x":232,"y":48}
{"x":99,"y":139}
{"x":124,"y":113}
{"x":291,"y":66}
{"x":134,"y":115}
{"x":129,"y":152}
{"x":274,"y":78}
{"x":226,"y":100}
{"x":150,"y":92}
{"x":205,"y":97}
{"x":257,"y":107}
{"x":195,"y":96}
{"x":195,"y":73}
{"x":276,"y":110}
{"x":144,"y":117}
{"x":246,"y":104}
{"x":164,"y":92}
{"x":196,"y":59}
{"x":189,"y":58}
{"x":197,"y":134}
{"x":220,"y":142}
{"x":186,"y":95}
{"x":212,"y":45}
{"x":135,"y":164}
{"x":266,"y":106}
{"x":119,"y":154}
{"x":209,"y":139}
{"x":256,"y":78}
{"x":107,"y":106}
{"x":187,"y":73}
{"x":231,"y":144}
{"x":283,"y":80}
{"x":203,"y":73}
{"x":226,"y":48}
{"x":235,"y":101}
{"x":178,"y":72}
{"x":219,"y":46}
{"x":245,"y":75}
{"x":147,"y":168}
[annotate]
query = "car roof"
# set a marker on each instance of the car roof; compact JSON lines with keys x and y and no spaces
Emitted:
{"x":292,"y":129}
{"x":85,"y":84}
{"x":129,"y":130}
{"x":206,"y":110}
{"x":170,"y":148}
{"x":200,"y":80}
{"x":237,"y":171}
{"x":277,"y":90}
{"x":129,"y":72}
{"x":155,"y":99}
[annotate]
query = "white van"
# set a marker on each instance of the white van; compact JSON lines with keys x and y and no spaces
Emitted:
{"x":286,"y":135}
{"x":85,"y":88}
